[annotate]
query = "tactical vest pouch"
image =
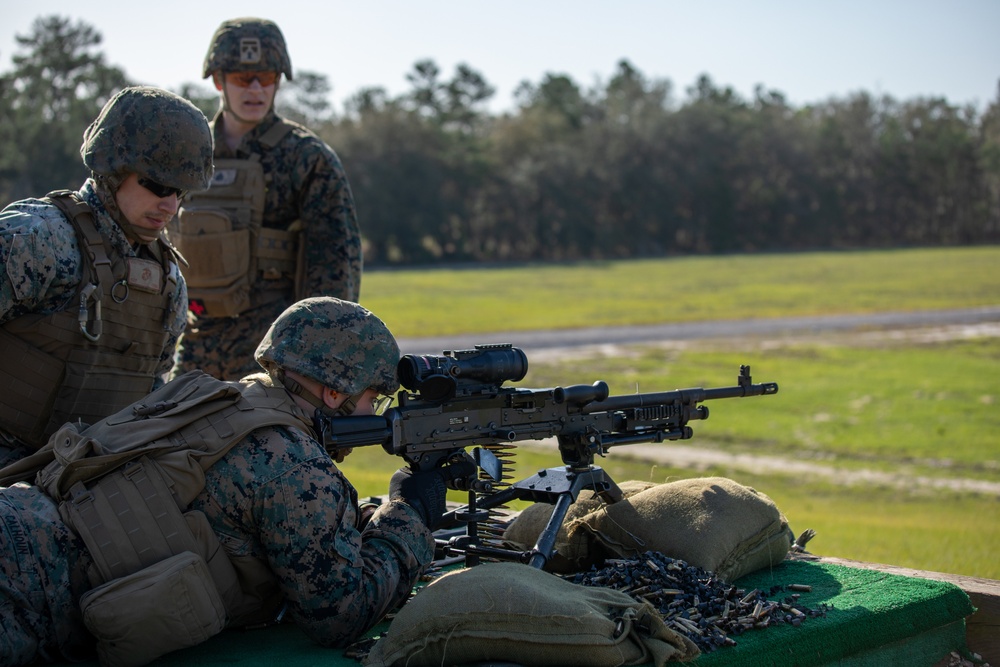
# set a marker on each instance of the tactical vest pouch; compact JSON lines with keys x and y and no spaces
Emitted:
{"x":129,"y":520}
{"x":277,"y":254}
{"x":29,"y":377}
{"x":218,"y":273}
{"x":217,"y":231}
{"x":218,"y":255}
{"x":167,"y":606}
{"x":227,"y":301}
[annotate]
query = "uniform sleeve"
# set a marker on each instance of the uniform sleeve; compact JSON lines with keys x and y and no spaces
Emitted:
{"x":331,"y":235}
{"x":40,"y":266}
{"x":337,"y":581}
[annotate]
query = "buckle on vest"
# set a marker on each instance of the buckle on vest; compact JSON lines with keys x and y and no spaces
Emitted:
{"x":84,"y":312}
{"x":79,"y":494}
{"x":154,"y":409}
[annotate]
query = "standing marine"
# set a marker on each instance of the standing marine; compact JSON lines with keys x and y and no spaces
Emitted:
{"x":92,"y":302}
{"x":278,"y":223}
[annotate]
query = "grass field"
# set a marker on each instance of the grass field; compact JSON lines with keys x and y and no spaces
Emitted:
{"x":443,"y":301}
{"x":914,"y":409}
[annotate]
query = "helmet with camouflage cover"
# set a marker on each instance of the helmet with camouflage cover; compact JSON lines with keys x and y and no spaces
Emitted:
{"x":246,"y":45}
{"x":153,"y":133}
{"x":338,"y":343}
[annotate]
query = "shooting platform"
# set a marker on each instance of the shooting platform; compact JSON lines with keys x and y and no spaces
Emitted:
{"x":877,"y":615}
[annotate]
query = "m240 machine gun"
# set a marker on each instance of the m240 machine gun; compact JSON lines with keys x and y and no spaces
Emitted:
{"x":456,"y":401}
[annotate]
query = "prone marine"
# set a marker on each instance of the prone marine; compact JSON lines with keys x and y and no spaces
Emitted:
{"x":266,"y":525}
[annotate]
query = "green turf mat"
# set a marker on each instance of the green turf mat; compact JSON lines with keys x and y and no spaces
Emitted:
{"x":870,"y":613}
{"x":873,"y":618}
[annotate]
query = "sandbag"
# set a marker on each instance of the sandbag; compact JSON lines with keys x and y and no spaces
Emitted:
{"x":711,"y":522}
{"x":511,"y":612}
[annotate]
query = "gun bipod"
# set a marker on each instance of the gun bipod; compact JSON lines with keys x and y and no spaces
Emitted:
{"x":559,"y":487}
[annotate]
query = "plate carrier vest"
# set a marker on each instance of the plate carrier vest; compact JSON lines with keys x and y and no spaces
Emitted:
{"x":101,"y":351}
{"x":234,"y":263}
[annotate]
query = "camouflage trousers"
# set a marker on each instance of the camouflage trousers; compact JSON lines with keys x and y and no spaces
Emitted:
{"x":224,"y":346}
{"x":42,"y":573}
{"x":11,"y":450}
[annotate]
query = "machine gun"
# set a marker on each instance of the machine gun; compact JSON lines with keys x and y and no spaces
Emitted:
{"x":459,"y":400}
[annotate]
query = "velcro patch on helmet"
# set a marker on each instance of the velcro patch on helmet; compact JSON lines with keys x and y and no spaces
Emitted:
{"x":250,"y":50}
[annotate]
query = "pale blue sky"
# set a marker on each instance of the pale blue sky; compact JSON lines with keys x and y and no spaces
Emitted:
{"x":808,"y":50}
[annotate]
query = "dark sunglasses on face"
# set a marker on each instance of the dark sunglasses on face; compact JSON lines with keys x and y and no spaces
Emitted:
{"x":159,"y":189}
{"x":244,"y":79}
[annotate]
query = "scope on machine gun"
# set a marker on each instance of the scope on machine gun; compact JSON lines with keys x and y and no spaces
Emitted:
{"x":462,"y":372}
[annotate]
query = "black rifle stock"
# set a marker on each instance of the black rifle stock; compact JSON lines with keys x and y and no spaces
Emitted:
{"x":458,"y":400}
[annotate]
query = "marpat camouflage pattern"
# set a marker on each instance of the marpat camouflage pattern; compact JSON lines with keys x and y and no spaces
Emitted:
{"x":275,"y":497}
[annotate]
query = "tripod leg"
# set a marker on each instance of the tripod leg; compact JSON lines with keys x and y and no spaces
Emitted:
{"x":546,"y":542}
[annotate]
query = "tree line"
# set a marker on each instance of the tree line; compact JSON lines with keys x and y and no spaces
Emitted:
{"x":626,"y":168}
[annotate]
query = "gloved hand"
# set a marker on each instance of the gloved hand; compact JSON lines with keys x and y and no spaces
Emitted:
{"x":425,"y":490}
{"x":340,"y":454}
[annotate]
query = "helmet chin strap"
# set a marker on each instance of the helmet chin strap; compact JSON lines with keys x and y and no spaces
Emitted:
{"x":343,"y":410}
{"x":107,"y":189}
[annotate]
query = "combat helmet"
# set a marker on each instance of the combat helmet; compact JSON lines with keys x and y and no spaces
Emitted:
{"x":338,"y":343}
{"x":153,"y":133}
{"x":247,"y":44}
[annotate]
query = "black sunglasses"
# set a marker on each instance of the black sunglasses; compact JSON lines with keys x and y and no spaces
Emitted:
{"x":159,"y":189}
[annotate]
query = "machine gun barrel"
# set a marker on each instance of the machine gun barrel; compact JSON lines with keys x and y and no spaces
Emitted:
{"x":687,"y":396}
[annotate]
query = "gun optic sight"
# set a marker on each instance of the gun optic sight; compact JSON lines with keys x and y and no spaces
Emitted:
{"x":440,"y":377}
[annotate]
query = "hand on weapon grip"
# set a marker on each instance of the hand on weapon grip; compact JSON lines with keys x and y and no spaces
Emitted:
{"x":425,"y":490}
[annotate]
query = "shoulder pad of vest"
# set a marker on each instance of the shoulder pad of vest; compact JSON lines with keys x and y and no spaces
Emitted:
{"x":64,"y":194}
{"x":171,"y":250}
{"x":279,"y":131}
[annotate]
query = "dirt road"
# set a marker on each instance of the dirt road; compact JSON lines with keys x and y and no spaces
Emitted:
{"x":533,"y":342}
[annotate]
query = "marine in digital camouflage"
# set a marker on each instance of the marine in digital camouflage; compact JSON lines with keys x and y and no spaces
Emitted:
{"x":275,"y":497}
{"x":40,"y":255}
{"x":290,"y":506}
{"x":141,"y":130}
{"x":305,"y":184}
